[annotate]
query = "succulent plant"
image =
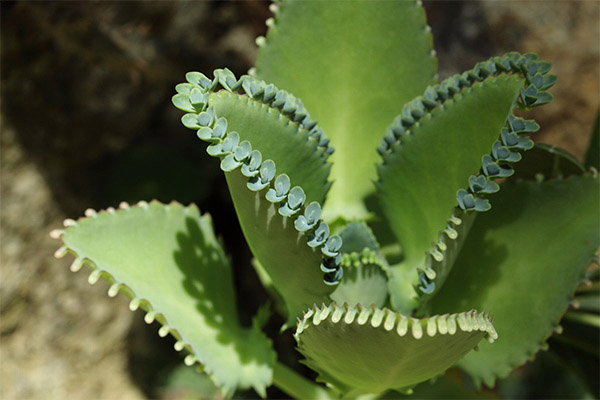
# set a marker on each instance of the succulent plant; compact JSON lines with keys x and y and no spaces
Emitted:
{"x":379,"y":252}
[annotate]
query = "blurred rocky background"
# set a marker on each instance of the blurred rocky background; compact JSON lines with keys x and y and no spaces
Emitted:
{"x":86,"y":121}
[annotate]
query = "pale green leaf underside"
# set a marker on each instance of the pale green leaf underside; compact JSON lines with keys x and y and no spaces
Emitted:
{"x":166,"y":257}
{"x":282,"y":251}
{"x":419,"y":178}
{"x":370,"y":350}
{"x":353,"y":64}
{"x":278,"y":139}
{"x":522,"y":261}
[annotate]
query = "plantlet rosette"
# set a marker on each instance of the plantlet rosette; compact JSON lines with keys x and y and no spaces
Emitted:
{"x":406,"y":222}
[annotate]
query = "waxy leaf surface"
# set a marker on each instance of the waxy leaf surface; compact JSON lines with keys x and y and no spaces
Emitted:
{"x":353,"y":64}
{"x":166,"y":257}
{"x":420,"y":176}
{"x":521,"y":262}
{"x":370,"y":350}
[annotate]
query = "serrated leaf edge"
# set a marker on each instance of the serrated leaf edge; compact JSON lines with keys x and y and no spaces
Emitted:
{"x":469,"y":199}
{"x":264,"y":175}
{"x":393,"y":321}
{"x":554,"y":327}
{"x":115,"y":286}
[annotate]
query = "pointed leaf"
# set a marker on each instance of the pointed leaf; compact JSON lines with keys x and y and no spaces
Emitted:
{"x":278,"y":139}
{"x":352,"y":64}
{"x":272,"y":216}
{"x":282,"y":251}
{"x":522,"y":261}
{"x":167,"y":259}
{"x":420,"y":176}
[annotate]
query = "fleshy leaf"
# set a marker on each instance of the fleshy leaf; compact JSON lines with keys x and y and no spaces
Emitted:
{"x":284,"y":253}
{"x":421,"y":174}
{"x":167,"y":260}
{"x":440,"y":260}
{"x":383,"y":58}
{"x":429,"y":150}
{"x":371,"y":350}
{"x":278,"y":139}
{"x":522,"y":261}
{"x":274,"y":157}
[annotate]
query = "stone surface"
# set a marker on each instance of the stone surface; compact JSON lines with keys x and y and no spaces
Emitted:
{"x":61,"y":337}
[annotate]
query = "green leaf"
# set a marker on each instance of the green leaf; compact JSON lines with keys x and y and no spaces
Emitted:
{"x":439,"y":261}
{"x":421,"y":174}
{"x":281,"y":250}
{"x":278,"y":139}
{"x":370,"y":350}
{"x":167,"y":259}
{"x":274,"y":158}
{"x":522,"y":261}
{"x":363,"y":283}
{"x":353,"y":64}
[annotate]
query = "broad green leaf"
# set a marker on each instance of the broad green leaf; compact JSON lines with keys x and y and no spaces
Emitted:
{"x":278,"y":139}
{"x":283,"y":253}
{"x":420,"y":176}
{"x":521,"y":262}
{"x":274,"y":158}
{"x":370,"y":350}
{"x":353,"y":64}
{"x":167,"y":259}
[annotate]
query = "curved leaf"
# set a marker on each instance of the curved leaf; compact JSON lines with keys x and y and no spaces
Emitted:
{"x":167,"y":260}
{"x":278,"y":139}
{"x":522,"y":261}
{"x":371,"y":350}
{"x":283,"y":253}
{"x":278,"y":208}
{"x":439,"y":261}
{"x":420,"y":177}
{"x":431,"y":151}
{"x":383,"y":58}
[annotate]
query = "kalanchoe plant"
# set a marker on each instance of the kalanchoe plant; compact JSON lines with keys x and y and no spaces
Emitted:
{"x":380,"y":252}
